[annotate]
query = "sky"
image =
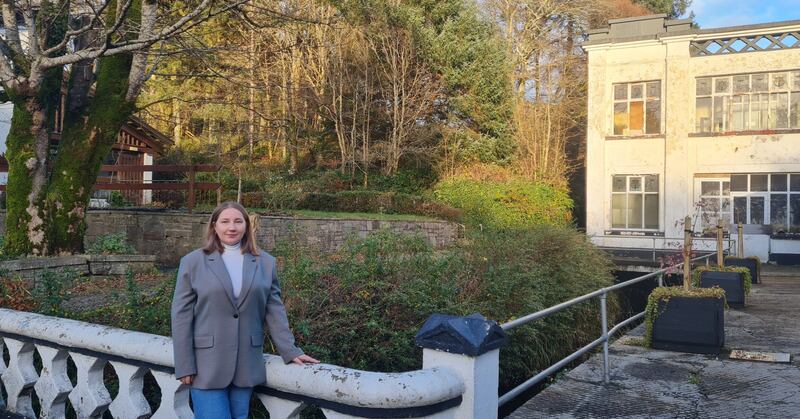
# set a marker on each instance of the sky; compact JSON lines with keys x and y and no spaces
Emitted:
{"x":720,"y":13}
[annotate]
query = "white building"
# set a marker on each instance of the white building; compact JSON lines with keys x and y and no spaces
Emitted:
{"x":700,"y":122}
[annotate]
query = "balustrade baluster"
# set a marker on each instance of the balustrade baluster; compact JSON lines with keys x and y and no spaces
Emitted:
{"x":20,"y":376}
{"x":2,"y":370}
{"x":53,"y":385}
{"x":281,"y":408}
{"x":90,"y":397}
{"x":130,"y":402}
{"x":174,"y":398}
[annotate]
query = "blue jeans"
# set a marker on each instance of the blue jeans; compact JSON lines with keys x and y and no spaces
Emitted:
{"x":226,"y":403}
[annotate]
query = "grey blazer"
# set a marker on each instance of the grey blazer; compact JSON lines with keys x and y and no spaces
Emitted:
{"x":220,"y":339}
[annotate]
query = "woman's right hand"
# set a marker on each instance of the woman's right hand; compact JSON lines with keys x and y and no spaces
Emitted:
{"x":187,"y":380}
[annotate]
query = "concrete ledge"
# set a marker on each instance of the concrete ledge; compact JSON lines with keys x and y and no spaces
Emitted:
{"x":28,"y":268}
{"x":82,"y":265}
{"x":119,"y":264}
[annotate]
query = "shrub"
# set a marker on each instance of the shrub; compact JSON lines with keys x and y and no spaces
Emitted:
{"x":378,"y":202}
{"x":506,"y":204}
{"x":117,"y":200}
{"x":51,"y":288}
{"x":413,"y":182}
{"x":361,"y":307}
{"x":15,"y":293}
{"x":44,"y":294}
{"x":147,"y":312}
{"x":111,"y":244}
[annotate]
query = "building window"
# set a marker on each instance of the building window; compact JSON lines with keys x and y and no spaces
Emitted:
{"x":637,"y":108}
{"x":714,"y":204}
{"x":767,"y":199}
{"x":746,"y":102}
{"x":634,"y":202}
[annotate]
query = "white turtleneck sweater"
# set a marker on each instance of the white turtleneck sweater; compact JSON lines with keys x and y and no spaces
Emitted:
{"x":234,"y":262}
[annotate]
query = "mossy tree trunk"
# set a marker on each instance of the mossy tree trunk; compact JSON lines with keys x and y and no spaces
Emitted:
{"x":105,"y":49}
{"x":47,"y":200}
{"x":28,"y":141}
{"x":87,"y":138}
{"x":27,"y":176}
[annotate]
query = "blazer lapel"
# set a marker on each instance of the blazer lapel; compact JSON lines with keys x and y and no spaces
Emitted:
{"x":248,"y":272}
{"x":217,"y":266}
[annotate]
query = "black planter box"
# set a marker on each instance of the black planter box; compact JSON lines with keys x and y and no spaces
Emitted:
{"x":748,"y":263}
{"x":686,"y":324}
{"x":731,"y":282}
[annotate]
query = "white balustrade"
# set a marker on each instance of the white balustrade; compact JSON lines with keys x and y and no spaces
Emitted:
{"x":130,"y":402}
{"x":2,"y":370}
{"x":53,"y":385}
{"x":342,"y":392}
{"x":89,"y":398}
{"x":174,"y":397}
{"x":281,"y":408}
{"x":20,"y":376}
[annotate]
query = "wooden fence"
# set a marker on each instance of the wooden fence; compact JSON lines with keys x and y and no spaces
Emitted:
{"x":191,"y":185}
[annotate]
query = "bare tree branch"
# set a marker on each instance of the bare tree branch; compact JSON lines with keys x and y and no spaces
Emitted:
{"x":138,"y":73}
{"x":74,"y":33}
{"x":183,"y":24}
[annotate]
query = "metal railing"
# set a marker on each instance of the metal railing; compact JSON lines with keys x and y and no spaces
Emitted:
{"x":604,"y":337}
{"x":666,"y":243}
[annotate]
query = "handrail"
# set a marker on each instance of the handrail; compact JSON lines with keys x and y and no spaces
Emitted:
{"x":558,"y":307}
{"x":339,"y":386}
{"x":603,"y":339}
{"x":677,"y":240}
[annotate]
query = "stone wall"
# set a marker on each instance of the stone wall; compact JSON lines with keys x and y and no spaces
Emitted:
{"x":170,"y":235}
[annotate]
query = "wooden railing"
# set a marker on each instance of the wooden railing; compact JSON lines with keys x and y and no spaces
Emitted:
{"x":191,"y":185}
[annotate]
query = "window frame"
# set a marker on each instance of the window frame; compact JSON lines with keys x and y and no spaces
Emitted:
{"x":645,"y":100}
{"x":726,"y":216}
{"x":767,"y":196}
{"x":767,"y":99}
{"x":643,"y":193}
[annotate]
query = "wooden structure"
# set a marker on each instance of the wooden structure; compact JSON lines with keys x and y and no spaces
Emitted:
{"x":136,"y":145}
{"x":129,"y":168}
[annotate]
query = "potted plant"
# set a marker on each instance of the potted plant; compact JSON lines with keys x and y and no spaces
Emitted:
{"x":686,"y":319}
{"x":752,"y":263}
{"x":735,"y":280}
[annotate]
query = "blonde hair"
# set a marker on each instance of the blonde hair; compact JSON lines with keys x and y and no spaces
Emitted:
{"x":212,"y":243}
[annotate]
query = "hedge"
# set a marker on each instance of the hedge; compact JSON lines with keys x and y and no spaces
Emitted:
{"x":506,"y":204}
{"x":352,"y":201}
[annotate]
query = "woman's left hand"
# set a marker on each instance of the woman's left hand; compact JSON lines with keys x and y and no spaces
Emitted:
{"x":305,"y":359}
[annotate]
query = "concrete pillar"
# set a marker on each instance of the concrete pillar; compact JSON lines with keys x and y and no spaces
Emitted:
{"x":598,"y":194}
{"x":678,"y":97}
{"x":147,"y":177}
{"x":470,"y":348}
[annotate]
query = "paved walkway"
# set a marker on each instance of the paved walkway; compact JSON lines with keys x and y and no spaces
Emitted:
{"x":647,"y":383}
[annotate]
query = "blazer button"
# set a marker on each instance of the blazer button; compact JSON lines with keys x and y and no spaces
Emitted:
{"x":236,"y":316}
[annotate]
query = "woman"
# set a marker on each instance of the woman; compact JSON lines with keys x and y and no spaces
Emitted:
{"x":226,"y":292}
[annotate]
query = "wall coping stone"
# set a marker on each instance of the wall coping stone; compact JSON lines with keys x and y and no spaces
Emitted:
{"x":472,"y":335}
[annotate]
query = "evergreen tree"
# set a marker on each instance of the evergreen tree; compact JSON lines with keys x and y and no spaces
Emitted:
{"x":673,"y":8}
